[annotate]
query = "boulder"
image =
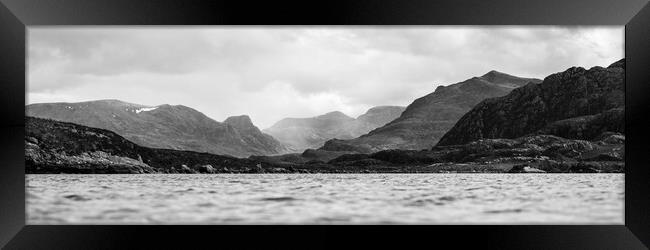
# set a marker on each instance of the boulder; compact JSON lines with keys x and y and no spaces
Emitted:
{"x":184,"y":169}
{"x":206,"y":169}
{"x":259,"y":169}
{"x":611,"y":138}
{"x":522,"y":168}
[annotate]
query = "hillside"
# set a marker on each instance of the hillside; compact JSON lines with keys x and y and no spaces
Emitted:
{"x":574,"y":104}
{"x":62,"y":147}
{"x":165,"y":126}
{"x":53,"y":147}
{"x":429,"y":117}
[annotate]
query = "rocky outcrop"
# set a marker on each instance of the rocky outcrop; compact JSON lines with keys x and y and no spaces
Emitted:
{"x":543,"y":152}
{"x":164,"y":126}
{"x":522,"y":168}
{"x":588,"y":126}
{"x":308,"y":133}
{"x":77,"y":150}
{"x":249,"y":134}
{"x":61,"y":147}
{"x":96,"y":162}
{"x":428,"y":118}
{"x":206,"y":169}
{"x":58,"y":147}
{"x":576,"y":104}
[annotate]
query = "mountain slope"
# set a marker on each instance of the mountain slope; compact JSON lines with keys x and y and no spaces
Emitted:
{"x":427,"y":119}
{"x":164,"y":126}
{"x":576,"y":104}
{"x":53,"y":147}
{"x":305,"y":133}
{"x":61,"y":147}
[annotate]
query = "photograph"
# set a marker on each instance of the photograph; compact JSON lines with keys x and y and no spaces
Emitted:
{"x":325,"y":125}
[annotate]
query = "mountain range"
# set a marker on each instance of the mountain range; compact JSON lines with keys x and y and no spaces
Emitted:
{"x":54,"y":147}
{"x":572,"y":121}
{"x":300,"y":134}
{"x":574,"y":104}
{"x":165,"y":126}
{"x":428,"y":118}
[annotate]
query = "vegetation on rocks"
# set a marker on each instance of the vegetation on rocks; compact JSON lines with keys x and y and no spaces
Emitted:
{"x":58,"y":147}
{"x":576,"y":104}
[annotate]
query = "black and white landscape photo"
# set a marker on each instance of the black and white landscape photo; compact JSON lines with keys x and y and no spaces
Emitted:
{"x":325,"y":125}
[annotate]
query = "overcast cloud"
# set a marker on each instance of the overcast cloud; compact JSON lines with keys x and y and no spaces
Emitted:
{"x":272,"y":73}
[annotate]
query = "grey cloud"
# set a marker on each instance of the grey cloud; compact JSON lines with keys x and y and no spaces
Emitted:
{"x":357,"y":67}
{"x":120,"y":51}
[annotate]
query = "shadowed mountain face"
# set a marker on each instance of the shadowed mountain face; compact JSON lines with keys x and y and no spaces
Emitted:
{"x":305,"y":133}
{"x":165,"y":126}
{"x":575,"y":104}
{"x":53,"y":147}
{"x":428,"y":118}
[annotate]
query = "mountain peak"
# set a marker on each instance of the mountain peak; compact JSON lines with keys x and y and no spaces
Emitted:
{"x":493,"y":74}
{"x":335,"y":115}
{"x":380,"y":109}
{"x":501,"y":78}
{"x":114,"y":102}
{"x":530,"y":108}
{"x":169,"y":126}
{"x":239,"y":121}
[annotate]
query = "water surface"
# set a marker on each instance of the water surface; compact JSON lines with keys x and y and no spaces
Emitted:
{"x":326,"y":199}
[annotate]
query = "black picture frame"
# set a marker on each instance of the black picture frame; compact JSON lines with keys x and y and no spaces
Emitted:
{"x":17,"y":15}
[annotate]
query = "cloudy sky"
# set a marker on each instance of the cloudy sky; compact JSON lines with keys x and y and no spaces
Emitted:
{"x":270,"y":73}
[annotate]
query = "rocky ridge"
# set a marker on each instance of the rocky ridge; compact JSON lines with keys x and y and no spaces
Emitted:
{"x":165,"y":126}
{"x":59,"y":147}
{"x":428,"y":118}
{"x":575,"y":104}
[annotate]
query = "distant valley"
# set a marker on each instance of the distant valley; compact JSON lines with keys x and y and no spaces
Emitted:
{"x":300,"y":134}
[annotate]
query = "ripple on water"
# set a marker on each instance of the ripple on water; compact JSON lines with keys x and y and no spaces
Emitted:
{"x":121,"y":210}
{"x":425,"y":202}
{"x":331,"y":198}
{"x":206,"y":204}
{"x":281,"y":198}
{"x":75,"y":197}
{"x":333,"y":219}
{"x":447,"y":198}
{"x":515,"y":210}
{"x":184,"y":190}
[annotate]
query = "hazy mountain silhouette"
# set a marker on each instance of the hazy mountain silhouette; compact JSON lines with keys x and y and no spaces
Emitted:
{"x":304,"y":133}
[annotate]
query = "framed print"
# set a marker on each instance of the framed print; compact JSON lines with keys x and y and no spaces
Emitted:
{"x":177,"y":124}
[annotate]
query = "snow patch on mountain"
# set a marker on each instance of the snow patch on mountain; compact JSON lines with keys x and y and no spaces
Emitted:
{"x":137,"y":111}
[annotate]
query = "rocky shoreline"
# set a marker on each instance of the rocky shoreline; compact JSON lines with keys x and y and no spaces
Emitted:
{"x":53,"y":147}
